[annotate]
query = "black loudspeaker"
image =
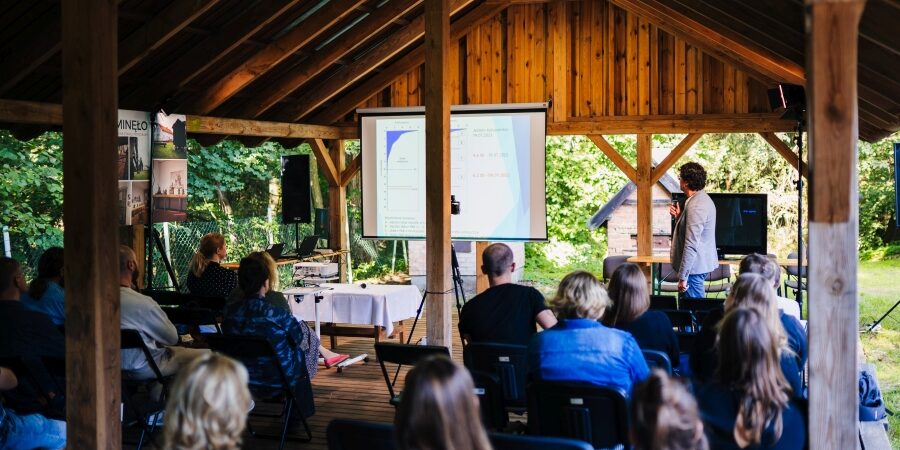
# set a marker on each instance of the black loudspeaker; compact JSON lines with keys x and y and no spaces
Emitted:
{"x":295,"y":196}
{"x":787,"y":96}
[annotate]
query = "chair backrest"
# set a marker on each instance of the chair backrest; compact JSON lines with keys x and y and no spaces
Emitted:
{"x":404,"y":355}
{"x":611,"y":263}
{"x":682,"y":320}
{"x":31,"y":394}
{"x":192,"y":317}
{"x":132,"y":340}
{"x":249,"y":350}
{"x":508,"y":362}
{"x":594,"y":414}
{"x":506,"y":441}
{"x":490,"y":400}
{"x":663,"y":302}
{"x":700,"y":304}
{"x":667,"y":273}
{"x":345,"y":434}
{"x":723,"y":272}
{"x":686,"y":341}
{"x":167,"y":298}
{"x":202,"y":301}
{"x":658,"y":359}
{"x":794,"y":271}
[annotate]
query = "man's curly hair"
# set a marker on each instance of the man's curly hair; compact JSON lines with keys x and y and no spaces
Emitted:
{"x":694,"y":175}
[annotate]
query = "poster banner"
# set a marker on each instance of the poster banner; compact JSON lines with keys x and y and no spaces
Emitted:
{"x":169,"y":185}
{"x":133,"y":152}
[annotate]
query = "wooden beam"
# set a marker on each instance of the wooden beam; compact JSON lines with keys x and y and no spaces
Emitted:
{"x":271,"y":55}
{"x":732,"y":49}
{"x":337,"y":209}
{"x":90,"y":86}
{"x":33,"y":49}
{"x":159,"y":30}
{"x":644,"y":195}
{"x":674,"y":156}
{"x":351,"y":170}
{"x":16,"y":111}
{"x":437,"y":172}
{"x":396,"y":43}
{"x":324,"y":57}
{"x":671,"y":124}
{"x":832,"y":43}
{"x":615,"y":157}
{"x":786,"y":153}
{"x":325,"y":162}
{"x":209,"y":51}
{"x":348,"y":101}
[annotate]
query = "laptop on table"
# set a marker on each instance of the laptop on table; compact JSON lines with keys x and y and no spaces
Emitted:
{"x":307,"y":247}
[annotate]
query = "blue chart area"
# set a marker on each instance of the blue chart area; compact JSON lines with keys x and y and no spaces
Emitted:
{"x":391,"y":138}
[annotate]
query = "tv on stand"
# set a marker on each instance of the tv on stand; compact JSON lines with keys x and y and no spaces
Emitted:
{"x":742,"y":222}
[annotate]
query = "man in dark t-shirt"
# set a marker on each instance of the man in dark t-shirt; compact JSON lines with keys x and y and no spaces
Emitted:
{"x":506,"y":312}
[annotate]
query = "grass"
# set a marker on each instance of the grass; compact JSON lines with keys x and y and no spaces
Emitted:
{"x":141,"y":175}
{"x":167,"y":151}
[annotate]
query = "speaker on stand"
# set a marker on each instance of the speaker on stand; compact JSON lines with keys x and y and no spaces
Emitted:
{"x":295,"y":193}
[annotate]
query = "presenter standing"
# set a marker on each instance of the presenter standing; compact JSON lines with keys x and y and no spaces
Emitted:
{"x":693,"y":251}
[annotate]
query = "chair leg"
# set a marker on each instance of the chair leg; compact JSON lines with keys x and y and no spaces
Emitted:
{"x":287,"y":421}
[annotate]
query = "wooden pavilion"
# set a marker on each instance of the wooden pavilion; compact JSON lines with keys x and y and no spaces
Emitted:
{"x":294,"y":70}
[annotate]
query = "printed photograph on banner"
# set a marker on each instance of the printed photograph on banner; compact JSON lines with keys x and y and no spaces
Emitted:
{"x":134,"y":145}
{"x":169,"y":136}
{"x":169,"y":190}
{"x":123,"y":201}
{"x":140,"y":196}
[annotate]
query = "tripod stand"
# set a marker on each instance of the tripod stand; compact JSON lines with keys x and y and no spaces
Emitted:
{"x":157,"y":242}
{"x":458,"y":292}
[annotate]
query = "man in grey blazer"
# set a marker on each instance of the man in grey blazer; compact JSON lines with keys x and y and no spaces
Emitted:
{"x":693,"y":251}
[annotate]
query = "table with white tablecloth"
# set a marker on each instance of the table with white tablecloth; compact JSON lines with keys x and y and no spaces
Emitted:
{"x":375,"y":304}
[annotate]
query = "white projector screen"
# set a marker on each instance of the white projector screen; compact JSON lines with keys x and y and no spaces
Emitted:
{"x":497,"y":172}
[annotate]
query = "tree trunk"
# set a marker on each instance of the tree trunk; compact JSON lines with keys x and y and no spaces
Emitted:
{"x":315,"y":187}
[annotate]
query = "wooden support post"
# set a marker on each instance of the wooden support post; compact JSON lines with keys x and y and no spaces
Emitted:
{"x":90,"y":100}
{"x":832,"y":34}
{"x":481,"y":280}
{"x":644,"y":184}
{"x":337,"y":209}
{"x":437,"y":172}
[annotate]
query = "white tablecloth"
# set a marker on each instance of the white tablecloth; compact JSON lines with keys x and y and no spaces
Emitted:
{"x":377,"y":305}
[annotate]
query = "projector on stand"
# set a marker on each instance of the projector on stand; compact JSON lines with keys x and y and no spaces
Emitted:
{"x":304,"y":270}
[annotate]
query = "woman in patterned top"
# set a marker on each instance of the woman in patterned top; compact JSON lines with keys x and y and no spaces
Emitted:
{"x":206,"y":276}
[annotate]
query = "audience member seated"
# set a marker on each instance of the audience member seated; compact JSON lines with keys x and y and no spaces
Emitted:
{"x":753,"y":291}
{"x":29,"y":431}
{"x":24,"y":332}
{"x":278,"y":300}
{"x":630,"y":311}
{"x":664,"y":416}
{"x":142,"y":313}
{"x":254,"y":316}
{"x":439,"y":409}
{"x":45,"y":294}
{"x":208,"y":405}
{"x":749,"y":403}
{"x":506,"y":312}
{"x":579,"y":347}
{"x":765,"y":266}
{"x":206,"y":277}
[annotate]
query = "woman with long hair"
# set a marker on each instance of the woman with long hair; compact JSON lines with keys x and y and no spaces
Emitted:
{"x":579,"y":347}
{"x":206,"y":277}
{"x":439,"y":409}
{"x":749,"y":402}
{"x":664,"y":415}
{"x":45,"y":293}
{"x":208,"y":405}
{"x":630,"y":311}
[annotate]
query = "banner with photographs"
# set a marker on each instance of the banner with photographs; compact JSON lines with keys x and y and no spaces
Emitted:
{"x":169,"y":185}
{"x":133,"y":166}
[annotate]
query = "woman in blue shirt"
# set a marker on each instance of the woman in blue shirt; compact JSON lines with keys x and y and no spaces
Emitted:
{"x":579,"y":348}
{"x":45,"y":294}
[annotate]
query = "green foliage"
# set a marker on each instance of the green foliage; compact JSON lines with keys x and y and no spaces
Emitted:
{"x":876,"y":197}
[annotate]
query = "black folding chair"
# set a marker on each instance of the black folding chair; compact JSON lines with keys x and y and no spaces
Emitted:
{"x":700,"y":308}
{"x":490,"y":400}
{"x":165,"y":298}
{"x":254,"y":351}
{"x":611,"y":263}
{"x":686,"y":341}
{"x":594,"y":414}
{"x":145,"y":409}
{"x":193,"y":318}
{"x":345,"y":434}
{"x":663,"y":302}
{"x":508,"y":362}
{"x":681,"y":320}
{"x":36,"y":392}
{"x":403,"y":355}
{"x":216,"y":304}
{"x":506,"y":441}
{"x":658,"y":359}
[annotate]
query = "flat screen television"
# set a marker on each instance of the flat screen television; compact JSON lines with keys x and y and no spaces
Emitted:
{"x":741,"y":222}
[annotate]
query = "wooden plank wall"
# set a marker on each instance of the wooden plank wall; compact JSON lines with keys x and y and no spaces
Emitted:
{"x":616,"y":64}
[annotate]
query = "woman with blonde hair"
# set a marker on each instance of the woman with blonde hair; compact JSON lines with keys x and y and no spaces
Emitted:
{"x":579,"y":347}
{"x":664,"y":416}
{"x":208,"y":405}
{"x":439,"y":409}
{"x":206,"y":277}
{"x":749,"y":404}
{"x":630,"y":311}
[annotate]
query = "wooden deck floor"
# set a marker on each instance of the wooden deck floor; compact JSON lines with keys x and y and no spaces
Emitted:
{"x":358,"y":393}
